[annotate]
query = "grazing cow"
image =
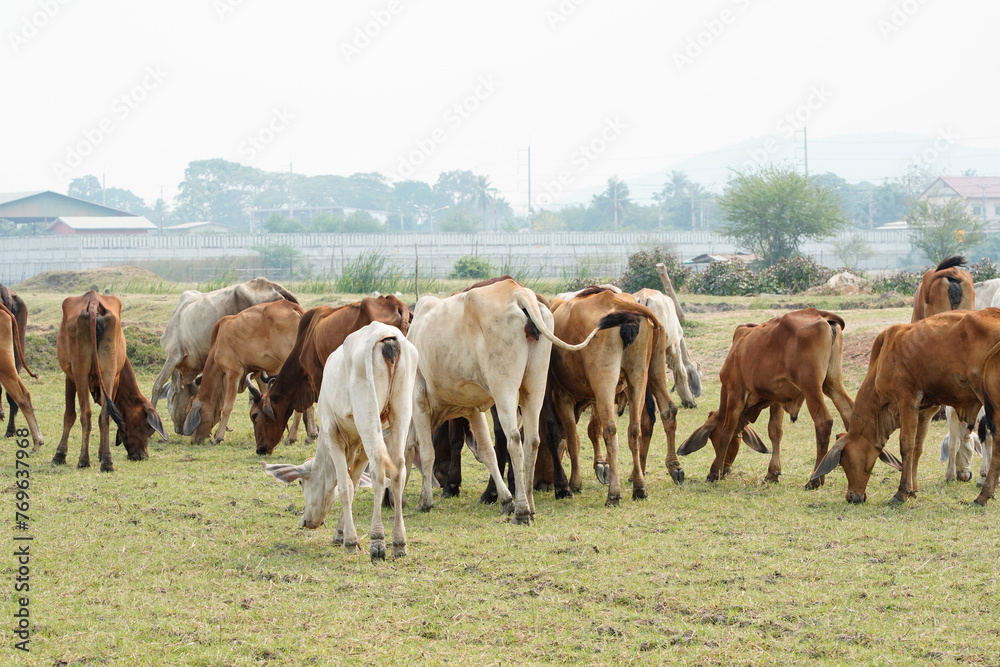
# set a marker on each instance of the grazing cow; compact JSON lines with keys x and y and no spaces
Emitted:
{"x":783,"y":362}
{"x":188,"y":335}
{"x":913,"y":369}
{"x":296,"y":386}
{"x":942,"y":289}
{"x":479,"y":348}
{"x":367,"y":384}
{"x":11,"y":360}
{"x":945,"y":288}
{"x":254,"y":340}
{"x":15,"y":304}
{"x":90,"y":346}
{"x":618,"y":360}
{"x":686,"y":378}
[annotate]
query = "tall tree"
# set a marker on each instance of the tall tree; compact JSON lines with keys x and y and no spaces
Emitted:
{"x":943,"y":230}
{"x":771,"y":210}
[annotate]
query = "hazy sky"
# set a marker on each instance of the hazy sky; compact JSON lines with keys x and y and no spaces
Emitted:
{"x":135,"y":90}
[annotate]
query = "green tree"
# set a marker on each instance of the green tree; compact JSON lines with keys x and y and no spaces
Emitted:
{"x":941,"y":231}
{"x":771,"y":210}
{"x":460,"y":220}
{"x":279,"y":224}
{"x":853,"y":250}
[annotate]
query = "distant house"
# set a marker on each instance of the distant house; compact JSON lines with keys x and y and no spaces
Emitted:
{"x":203,"y":227}
{"x":701,"y":262}
{"x":45,"y":206}
{"x":981,"y":194}
{"x":132,"y":224}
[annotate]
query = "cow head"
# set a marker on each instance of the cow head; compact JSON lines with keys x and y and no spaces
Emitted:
{"x":201,"y":415}
{"x":140,"y":422}
{"x":178,"y":394}
{"x":270,"y":418}
{"x":319,"y":486}
{"x":857,"y":456}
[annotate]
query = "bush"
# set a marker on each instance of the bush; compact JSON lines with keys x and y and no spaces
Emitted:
{"x":731,"y":277}
{"x":792,"y":275}
{"x":370,"y":273}
{"x":902,"y":282}
{"x":641,"y":271}
{"x":471,"y":266}
{"x":984,"y":269}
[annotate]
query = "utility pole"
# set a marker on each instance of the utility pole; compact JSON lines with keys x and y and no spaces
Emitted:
{"x":616,"y":205}
{"x":805,"y":144}
{"x":529,"y":187}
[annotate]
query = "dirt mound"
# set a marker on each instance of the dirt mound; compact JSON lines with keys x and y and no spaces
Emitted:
{"x":81,"y":281}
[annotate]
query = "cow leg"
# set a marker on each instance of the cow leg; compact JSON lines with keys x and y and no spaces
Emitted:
{"x":774,"y":433}
{"x":566,"y":413}
{"x":963,"y":457}
{"x":647,"y":421}
{"x":12,"y":404}
{"x":452,"y":485}
{"x":957,"y":434}
{"x":823,"y":422}
{"x":85,"y":417}
{"x":728,"y":446}
{"x":399,"y":425}
{"x":376,"y":536}
{"x":229,"y":389}
{"x":990,"y":482}
{"x":420,"y":436}
{"x":69,"y":418}
{"x":908,"y":419}
{"x":293,"y":428}
{"x":984,"y":468}
{"x":18,"y":395}
{"x":104,"y":429}
{"x":506,"y":411}
{"x":481,"y":429}
{"x":594,"y":430}
{"x":489,"y":496}
{"x":554,"y":431}
{"x":312,"y":429}
{"x":531,"y":408}
{"x":345,"y":486}
{"x":668,"y":416}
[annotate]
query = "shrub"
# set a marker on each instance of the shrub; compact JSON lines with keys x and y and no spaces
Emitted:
{"x":792,"y":275}
{"x":471,"y":266}
{"x":370,"y":273}
{"x":984,"y":269}
{"x":731,"y":277}
{"x":641,"y":271}
{"x":901,"y":282}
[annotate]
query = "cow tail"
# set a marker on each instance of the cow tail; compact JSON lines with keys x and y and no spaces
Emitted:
{"x":106,"y":401}
{"x":529,"y":304}
{"x":390,"y":353}
{"x":989,"y":383}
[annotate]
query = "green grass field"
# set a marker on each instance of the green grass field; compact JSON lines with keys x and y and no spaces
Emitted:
{"x":194,"y":557}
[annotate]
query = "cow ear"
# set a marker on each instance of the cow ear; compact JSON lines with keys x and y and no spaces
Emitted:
{"x":831,"y":460}
{"x":891,"y":460}
{"x":698,"y":439}
{"x":164,"y":390}
{"x":153,"y":419}
{"x":268,"y":410}
{"x":753,"y":441}
{"x":193,"y":418}
{"x":286,"y":472}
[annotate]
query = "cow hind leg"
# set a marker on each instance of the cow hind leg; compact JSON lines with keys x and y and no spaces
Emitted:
{"x":482,"y":432}
{"x":85,"y":424}
{"x":13,"y":411}
{"x":601,"y":469}
{"x":489,"y":496}
{"x":18,"y":395}
{"x":823,"y":422}
{"x":774,"y":433}
{"x":346,"y":529}
{"x":984,"y":468}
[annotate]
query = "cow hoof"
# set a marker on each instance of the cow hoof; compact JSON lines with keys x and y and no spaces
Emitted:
{"x":290,"y":441}
{"x":965,"y":476}
{"x":425,"y":507}
{"x":603,"y":472}
{"x":677,"y":474}
{"x":544,"y":487}
{"x":83,"y":463}
{"x":450,"y":491}
{"x":773,"y":477}
{"x":979,"y":484}
{"x":612,"y":501}
{"x":563,"y":493}
{"x":488,"y":498}
{"x":398,"y":549}
{"x":107,"y":467}
{"x":981,"y":500}
{"x":522,"y":518}
{"x":338,"y":539}
{"x":896,"y":500}
{"x":377,"y":551}
{"x":507,"y":506}
{"x":639,"y":493}
{"x":812,"y":484}
{"x":60,"y":459}
{"x":689,"y":404}
{"x":351,"y":547}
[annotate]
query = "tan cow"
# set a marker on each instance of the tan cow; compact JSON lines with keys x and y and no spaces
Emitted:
{"x":787,"y":360}
{"x":487,"y":346}
{"x":618,"y":360}
{"x":942,"y":289}
{"x":254,"y":340}
{"x":914,"y":369}
{"x":11,"y":359}
{"x":90,"y":345}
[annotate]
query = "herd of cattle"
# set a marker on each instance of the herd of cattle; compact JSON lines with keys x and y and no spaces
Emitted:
{"x":396,"y":388}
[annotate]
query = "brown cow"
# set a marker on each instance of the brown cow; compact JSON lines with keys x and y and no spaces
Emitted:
{"x":914,"y":368}
{"x":321,"y":331}
{"x":254,"y":340}
{"x":19,"y":311}
{"x":91,"y":350}
{"x":618,"y":359}
{"x":11,"y":359}
{"x":784,"y":361}
{"x":945,"y":288}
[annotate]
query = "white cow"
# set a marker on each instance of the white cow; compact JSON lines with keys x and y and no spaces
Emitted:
{"x":686,"y":378}
{"x":962,"y":460}
{"x":367,"y":382}
{"x":489,"y":345}
{"x":986,"y":293}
